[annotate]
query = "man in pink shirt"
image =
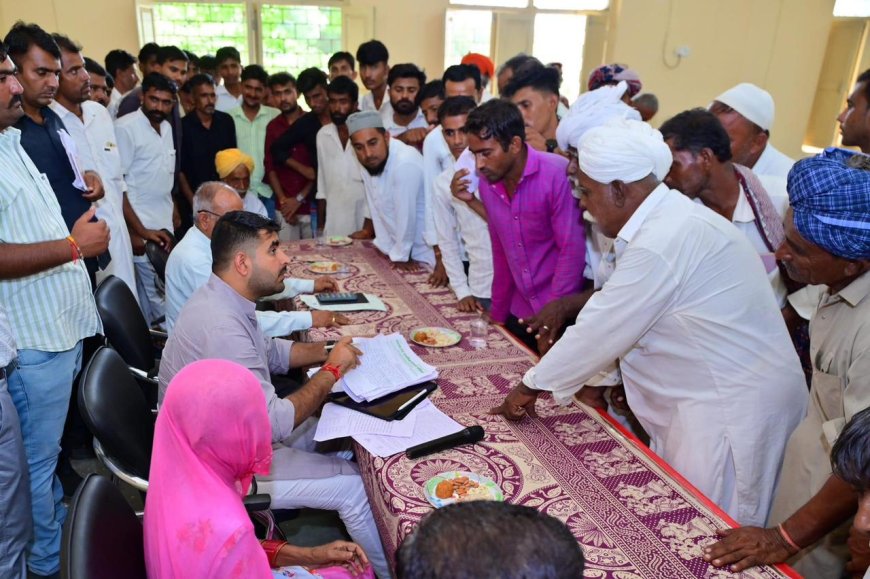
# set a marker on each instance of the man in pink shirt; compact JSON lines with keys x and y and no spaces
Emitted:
{"x":538,"y":243}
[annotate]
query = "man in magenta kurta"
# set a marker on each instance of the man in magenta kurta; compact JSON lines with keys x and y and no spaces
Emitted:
{"x":538,"y":246}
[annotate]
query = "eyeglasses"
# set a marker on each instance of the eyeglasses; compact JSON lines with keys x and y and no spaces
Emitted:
{"x":210,"y":213}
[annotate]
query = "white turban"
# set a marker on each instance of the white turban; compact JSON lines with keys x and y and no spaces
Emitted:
{"x":623,"y":150}
{"x":592,"y":109}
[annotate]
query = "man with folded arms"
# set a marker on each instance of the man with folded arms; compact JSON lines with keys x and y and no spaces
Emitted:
{"x":393,"y":179}
{"x":827,"y":242}
{"x":219,"y":321}
{"x":706,"y":360}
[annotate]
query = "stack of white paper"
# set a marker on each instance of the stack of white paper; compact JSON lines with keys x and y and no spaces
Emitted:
{"x":388,"y":364}
{"x":381,"y":438}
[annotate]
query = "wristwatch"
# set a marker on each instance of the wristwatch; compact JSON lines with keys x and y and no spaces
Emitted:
{"x":300,"y":198}
{"x":552,"y":145}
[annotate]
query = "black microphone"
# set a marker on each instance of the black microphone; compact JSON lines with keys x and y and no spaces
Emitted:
{"x":470,"y":435}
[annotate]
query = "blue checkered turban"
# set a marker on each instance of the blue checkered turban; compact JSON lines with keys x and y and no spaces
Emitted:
{"x":831,"y":203}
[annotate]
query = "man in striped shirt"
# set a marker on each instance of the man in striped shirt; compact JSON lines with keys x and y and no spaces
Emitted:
{"x":44,"y":287}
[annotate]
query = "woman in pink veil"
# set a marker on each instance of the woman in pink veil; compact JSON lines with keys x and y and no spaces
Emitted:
{"x":212,"y":436}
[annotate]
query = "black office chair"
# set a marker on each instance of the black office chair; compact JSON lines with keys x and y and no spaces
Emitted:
{"x":115,"y":411}
{"x":158,"y":256}
{"x":102,"y":536}
{"x":127,"y":332}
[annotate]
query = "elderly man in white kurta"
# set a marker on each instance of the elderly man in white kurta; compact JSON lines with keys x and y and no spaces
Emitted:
{"x":706,"y":360}
{"x":392,"y":173}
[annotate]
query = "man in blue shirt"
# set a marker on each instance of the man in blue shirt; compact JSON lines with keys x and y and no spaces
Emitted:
{"x":37,"y":57}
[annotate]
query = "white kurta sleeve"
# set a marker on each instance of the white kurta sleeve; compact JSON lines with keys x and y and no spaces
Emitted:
{"x":280,"y":324}
{"x":293,"y":286}
{"x":406,"y":184}
{"x":447,"y":226}
{"x":610,"y":324}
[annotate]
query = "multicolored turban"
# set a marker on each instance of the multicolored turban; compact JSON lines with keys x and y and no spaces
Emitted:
{"x":612,"y":74}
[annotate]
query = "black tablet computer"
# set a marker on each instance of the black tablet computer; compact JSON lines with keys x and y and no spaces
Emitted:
{"x":393,"y":406}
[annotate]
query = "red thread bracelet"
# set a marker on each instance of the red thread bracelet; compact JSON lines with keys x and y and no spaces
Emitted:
{"x":74,"y":248}
{"x":332,"y":369}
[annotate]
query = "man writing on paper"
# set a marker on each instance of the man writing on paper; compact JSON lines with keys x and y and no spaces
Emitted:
{"x":706,"y":360}
{"x":219,"y":321}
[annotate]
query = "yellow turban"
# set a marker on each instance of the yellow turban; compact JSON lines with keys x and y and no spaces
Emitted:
{"x":227,"y":160}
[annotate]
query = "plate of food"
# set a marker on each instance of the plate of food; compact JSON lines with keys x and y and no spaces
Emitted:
{"x":338,"y":240}
{"x":435,"y":337}
{"x":457,"y":486}
{"x":325,"y":267}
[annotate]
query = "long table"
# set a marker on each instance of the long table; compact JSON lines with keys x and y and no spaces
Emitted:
{"x":634,"y":516}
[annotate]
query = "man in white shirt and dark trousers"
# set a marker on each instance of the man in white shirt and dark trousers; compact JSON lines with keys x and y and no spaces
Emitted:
{"x":148,"y":161}
{"x":708,"y":367}
{"x":463,"y":235}
{"x":393,"y":177}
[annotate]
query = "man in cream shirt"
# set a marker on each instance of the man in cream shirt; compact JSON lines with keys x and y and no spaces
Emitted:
{"x":706,"y":360}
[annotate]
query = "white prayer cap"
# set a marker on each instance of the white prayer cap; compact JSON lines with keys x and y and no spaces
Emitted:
{"x":754,"y":103}
{"x":364,"y":120}
{"x":592,"y":109}
{"x":624,"y":150}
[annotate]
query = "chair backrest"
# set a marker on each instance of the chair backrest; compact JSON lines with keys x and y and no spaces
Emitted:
{"x":158,"y":257}
{"x":123,"y":323}
{"x":102,"y":536}
{"x":115,"y":411}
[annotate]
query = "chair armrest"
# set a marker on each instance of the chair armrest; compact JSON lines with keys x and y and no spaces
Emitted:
{"x":255,"y":503}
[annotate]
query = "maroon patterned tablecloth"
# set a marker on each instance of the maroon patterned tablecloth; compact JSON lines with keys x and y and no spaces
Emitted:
{"x":634,"y":517}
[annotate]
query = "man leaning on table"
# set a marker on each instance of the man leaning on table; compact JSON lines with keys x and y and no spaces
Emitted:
{"x":219,"y":321}
{"x":706,"y":360}
{"x":827,"y":242}
{"x":392,"y":174}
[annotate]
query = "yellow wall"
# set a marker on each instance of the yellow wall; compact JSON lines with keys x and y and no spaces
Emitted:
{"x":777,"y":44}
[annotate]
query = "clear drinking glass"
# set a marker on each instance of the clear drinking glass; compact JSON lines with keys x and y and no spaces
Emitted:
{"x":477,"y":335}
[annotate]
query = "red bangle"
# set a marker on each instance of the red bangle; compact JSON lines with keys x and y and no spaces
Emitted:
{"x":332,"y":369}
{"x":74,"y":248}
{"x":272,"y":547}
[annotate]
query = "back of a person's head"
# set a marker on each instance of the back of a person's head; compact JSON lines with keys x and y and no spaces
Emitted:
{"x":372,"y":52}
{"x":490,"y":540}
{"x":695,"y":130}
{"x":22,"y":36}
{"x":237,"y":231}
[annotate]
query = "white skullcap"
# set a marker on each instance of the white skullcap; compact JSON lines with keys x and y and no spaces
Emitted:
{"x":592,"y":109}
{"x":364,"y":120}
{"x":623,"y":150}
{"x":754,"y":103}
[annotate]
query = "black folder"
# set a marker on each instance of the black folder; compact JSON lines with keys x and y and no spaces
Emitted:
{"x":389,"y":407}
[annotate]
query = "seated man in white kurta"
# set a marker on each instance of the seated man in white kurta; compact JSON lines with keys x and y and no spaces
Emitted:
{"x":392,"y":173}
{"x":189,"y":268}
{"x":706,"y":360}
